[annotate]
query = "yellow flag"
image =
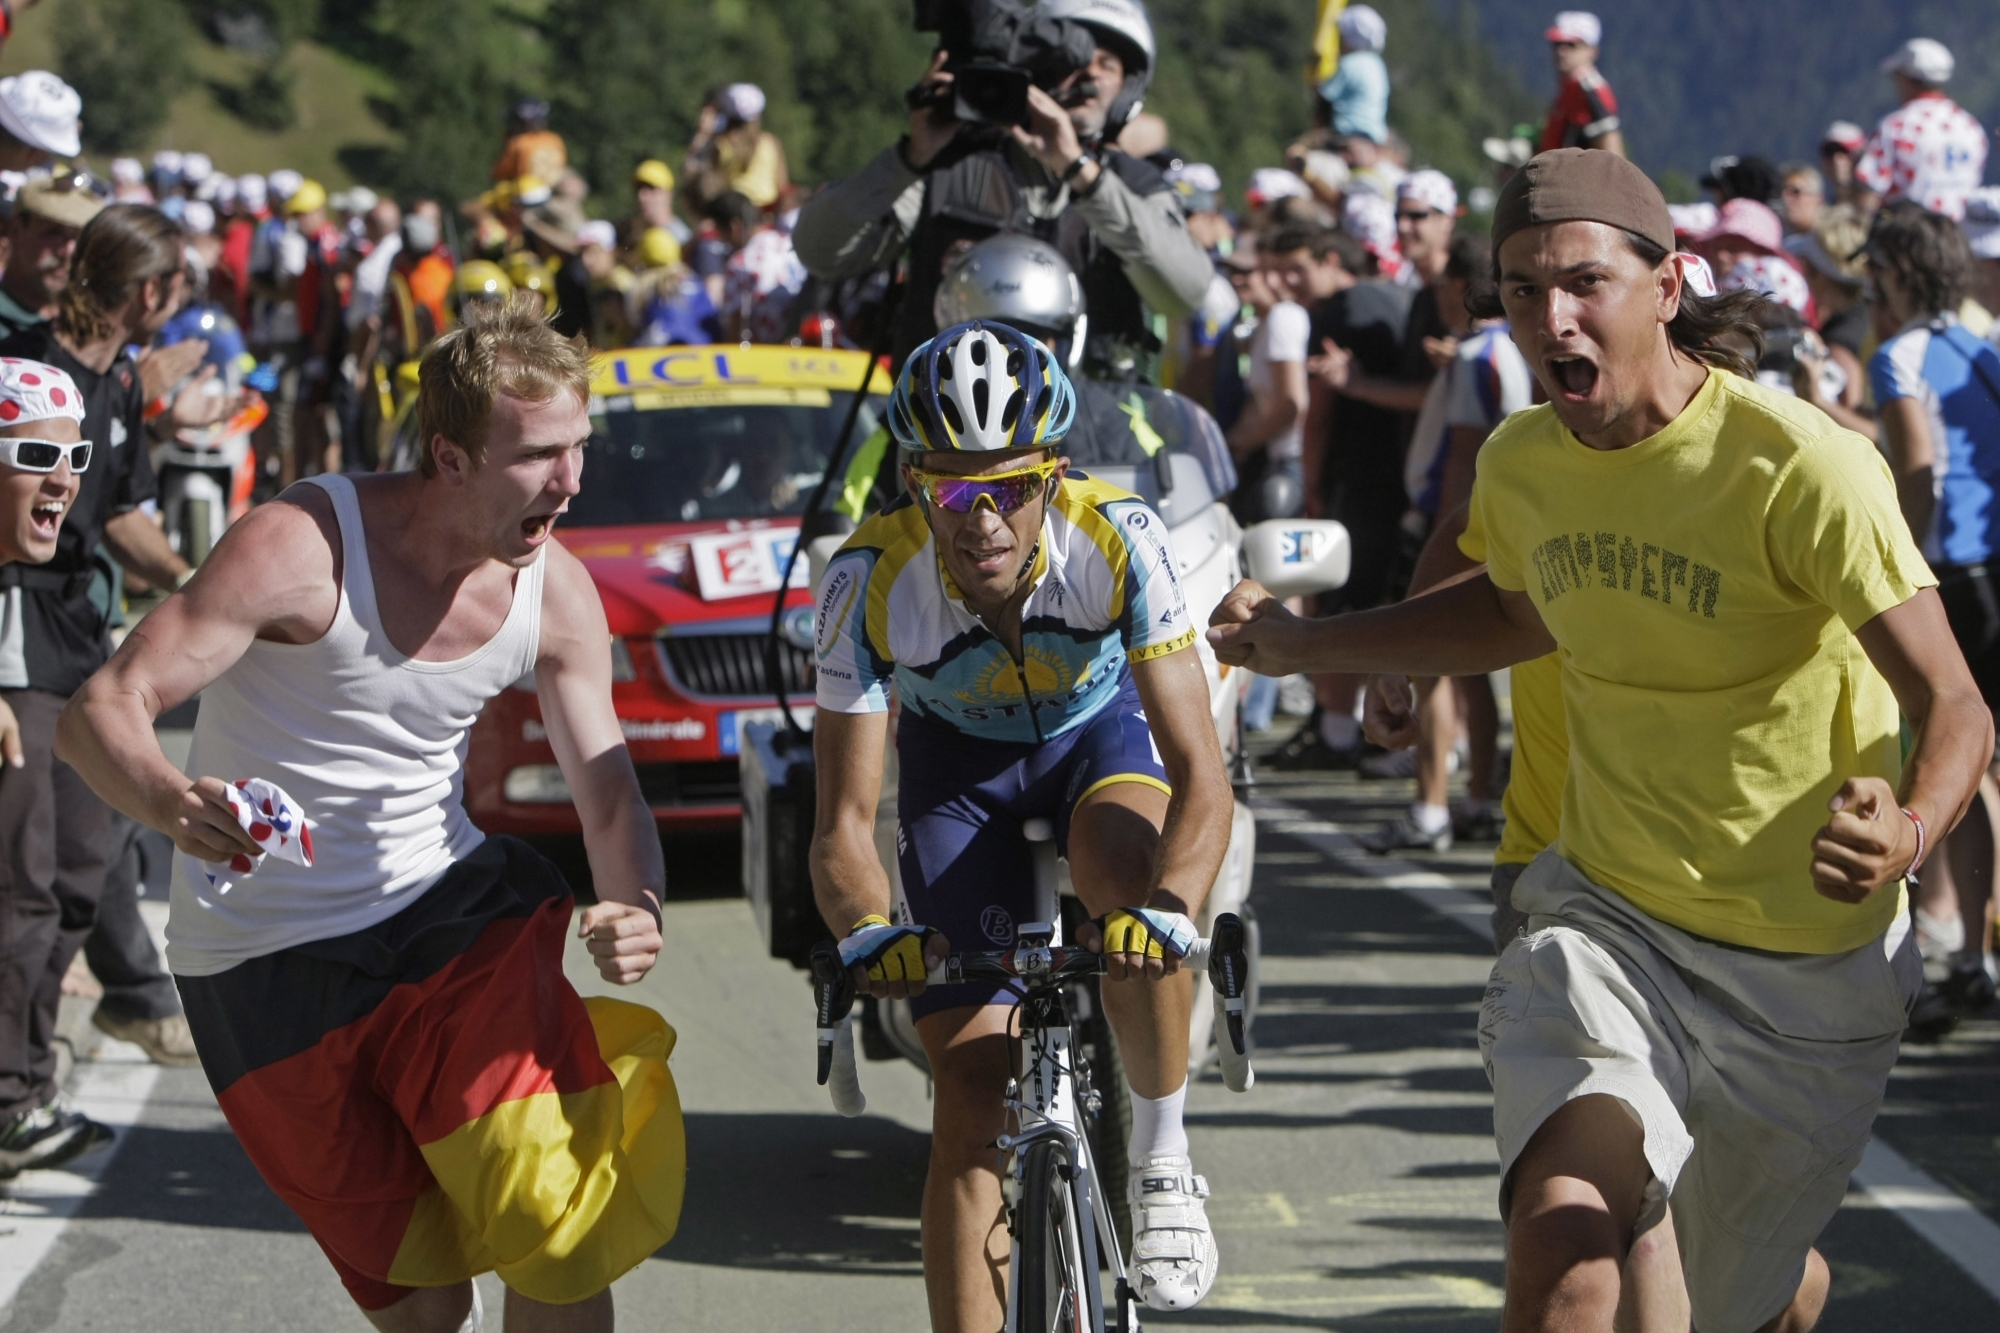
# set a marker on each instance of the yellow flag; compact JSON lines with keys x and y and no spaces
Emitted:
{"x":1326,"y":40}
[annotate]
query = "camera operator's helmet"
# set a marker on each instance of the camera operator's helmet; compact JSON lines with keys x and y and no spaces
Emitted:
{"x":1014,"y":279}
{"x":978,"y":388}
{"x":1131,"y":34}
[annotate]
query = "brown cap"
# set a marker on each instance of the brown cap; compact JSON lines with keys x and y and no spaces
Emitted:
{"x":58,"y":199}
{"x":1582,"y":185}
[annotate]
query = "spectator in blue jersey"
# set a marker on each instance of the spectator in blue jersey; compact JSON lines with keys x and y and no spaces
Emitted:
{"x":1357,"y":95}
{"x":1937,"y":389}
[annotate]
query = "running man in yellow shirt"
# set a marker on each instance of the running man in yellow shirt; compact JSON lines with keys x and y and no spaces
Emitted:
{"x":1706,"y":1005}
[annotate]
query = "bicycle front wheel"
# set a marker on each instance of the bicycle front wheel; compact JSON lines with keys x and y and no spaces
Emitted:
{"x":1057,"y":1287}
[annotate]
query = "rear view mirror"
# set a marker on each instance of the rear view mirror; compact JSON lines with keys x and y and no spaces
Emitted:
{"x":1292,"y":556}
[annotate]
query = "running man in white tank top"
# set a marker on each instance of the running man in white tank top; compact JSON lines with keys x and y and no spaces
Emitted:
{"x":407,"y":987}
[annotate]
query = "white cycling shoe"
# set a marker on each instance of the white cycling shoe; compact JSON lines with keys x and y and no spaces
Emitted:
{"x":1174,"y":1259}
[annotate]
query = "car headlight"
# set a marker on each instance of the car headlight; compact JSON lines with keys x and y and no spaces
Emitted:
{"x":536,"y":784}
{"x":621,"y":661}
{"x":796,"y":627}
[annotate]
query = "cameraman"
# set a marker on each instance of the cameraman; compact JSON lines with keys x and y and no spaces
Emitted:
{"x":1061,"y":179}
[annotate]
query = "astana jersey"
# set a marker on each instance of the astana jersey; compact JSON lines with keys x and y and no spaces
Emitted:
{"x":1105,"y":591}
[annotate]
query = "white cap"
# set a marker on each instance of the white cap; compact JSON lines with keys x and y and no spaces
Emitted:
{"x":284,"y":182}
{"x":127,"y":171}
{"x":743,"y":102}
{"x":196,"y":168}
{"x":1982,"y":221}
{"x":1198,"y":175}
{"x":1769,"y":276}
{"x":1370,"y":219}
{"x":1850,"y":137}
{"x":168,"y":162}
{"x":1922,"y":59}
{"x":1269,"y":184}
{"x":1363,"y":28}
{"x":1431,"y":188}
{"x":223,"y":190}
{"x":41,"y":111}
{"x":360,"y":199}
{"x":197,"y":217}
{"x":1576,"y":25}
{"x":253,"y":190}
{"x":599,"y":233}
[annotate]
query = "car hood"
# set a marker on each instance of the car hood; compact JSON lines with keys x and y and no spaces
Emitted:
{"x":646,"y":578}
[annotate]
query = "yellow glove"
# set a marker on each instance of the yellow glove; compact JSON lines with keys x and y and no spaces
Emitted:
{"x":1143,"y":930}
{"x":890,"y":953}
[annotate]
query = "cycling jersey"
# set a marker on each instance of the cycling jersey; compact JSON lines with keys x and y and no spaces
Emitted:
{"x":1105,"y":590}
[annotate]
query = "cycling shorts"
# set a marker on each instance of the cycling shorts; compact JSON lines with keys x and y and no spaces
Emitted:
{"x":961,"y":800}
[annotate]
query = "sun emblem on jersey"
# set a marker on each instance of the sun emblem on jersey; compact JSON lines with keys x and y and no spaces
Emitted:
{"x":998,"y":683}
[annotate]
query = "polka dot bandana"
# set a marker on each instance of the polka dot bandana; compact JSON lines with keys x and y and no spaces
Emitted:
{"x":31,"y":391}
{"x":273,"y":820}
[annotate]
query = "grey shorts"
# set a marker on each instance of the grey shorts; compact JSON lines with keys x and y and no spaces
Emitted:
{"x":1507,"y":919}
{"x":1755,"y":1076}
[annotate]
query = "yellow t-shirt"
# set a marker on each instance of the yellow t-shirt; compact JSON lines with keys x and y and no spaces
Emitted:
{"x":1704,"y":586}
{"x":1533,"y":799}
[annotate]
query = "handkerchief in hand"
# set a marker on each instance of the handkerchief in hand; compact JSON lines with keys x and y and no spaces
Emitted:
{"x":273,"y":820}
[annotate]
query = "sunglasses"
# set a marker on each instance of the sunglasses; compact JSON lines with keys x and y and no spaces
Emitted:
{"x":1402,"y":216}
{"x":1006,"y":491}
{"x":24,"y":455}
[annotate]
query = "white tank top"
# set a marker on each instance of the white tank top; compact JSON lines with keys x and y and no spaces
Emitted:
{"x":370,"y":743}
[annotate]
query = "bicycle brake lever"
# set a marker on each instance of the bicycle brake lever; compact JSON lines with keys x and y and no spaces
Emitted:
{"x":1229,"y":973}
{"x":833,"y":998}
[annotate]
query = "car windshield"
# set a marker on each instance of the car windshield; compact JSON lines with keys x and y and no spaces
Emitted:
{"x":672,"y":463}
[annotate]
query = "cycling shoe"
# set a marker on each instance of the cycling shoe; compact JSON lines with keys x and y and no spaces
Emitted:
{"x":1174,"y":1259}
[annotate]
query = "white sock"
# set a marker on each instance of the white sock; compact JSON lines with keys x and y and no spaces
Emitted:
{"x":1430,"y":818}
{"x":1338,"y":730}
{"x":1156,"y":1126}
{"x":1938,"y":936}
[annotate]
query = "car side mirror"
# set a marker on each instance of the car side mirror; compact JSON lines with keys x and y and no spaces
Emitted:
{"x":1292,"y":556}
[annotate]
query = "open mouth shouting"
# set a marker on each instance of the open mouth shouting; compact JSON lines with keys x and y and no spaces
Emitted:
{"x":45,"y":519}
{"x":1572,"y":377}
{"x":535,"y":528}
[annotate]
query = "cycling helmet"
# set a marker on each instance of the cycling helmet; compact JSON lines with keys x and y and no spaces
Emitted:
{"x":981,"y":387}
{"x":1012,"y":278}
{"x":1131,"y":36}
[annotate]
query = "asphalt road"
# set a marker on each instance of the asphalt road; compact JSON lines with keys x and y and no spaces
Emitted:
{"x":1353,"y":1187}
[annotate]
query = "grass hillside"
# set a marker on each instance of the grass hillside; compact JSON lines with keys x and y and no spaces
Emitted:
{"x":332,"y":93}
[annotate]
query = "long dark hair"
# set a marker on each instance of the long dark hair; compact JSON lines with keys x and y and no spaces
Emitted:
{"x":1720,"y":331}
{"x":117,"y":252}
{"x":1928,"y":251}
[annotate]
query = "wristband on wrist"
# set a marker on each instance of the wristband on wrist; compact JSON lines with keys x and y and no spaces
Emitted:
{"x":1069,"y":172}
{"x":870,"y":920}
{"x":1922,"y":839}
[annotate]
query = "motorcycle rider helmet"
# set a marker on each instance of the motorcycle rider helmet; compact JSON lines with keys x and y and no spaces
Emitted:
{"x":1130,"y":33}
{"x":1019,"y":281}
{"x":981,"y":387}
{"x":529,"y":274}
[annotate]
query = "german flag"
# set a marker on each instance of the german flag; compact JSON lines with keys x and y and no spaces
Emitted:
{"x":434,"y":1100}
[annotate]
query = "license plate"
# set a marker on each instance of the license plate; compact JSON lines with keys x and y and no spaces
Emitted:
{"x":729,"y":724}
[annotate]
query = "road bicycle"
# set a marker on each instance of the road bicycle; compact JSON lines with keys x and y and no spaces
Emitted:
{"x":1059,"y":1218}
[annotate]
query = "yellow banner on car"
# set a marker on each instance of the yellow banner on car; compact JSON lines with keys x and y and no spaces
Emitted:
{"x":672,"y":370}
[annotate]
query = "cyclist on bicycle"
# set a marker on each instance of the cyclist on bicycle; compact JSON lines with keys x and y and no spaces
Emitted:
{"x":1032,"y":622}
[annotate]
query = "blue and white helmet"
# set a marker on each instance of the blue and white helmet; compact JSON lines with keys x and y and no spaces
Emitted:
{"x":981,"y":387}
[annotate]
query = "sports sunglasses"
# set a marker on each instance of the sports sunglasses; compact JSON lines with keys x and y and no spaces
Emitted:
{"x":25,"y":455}
{"x":1005,"y":491}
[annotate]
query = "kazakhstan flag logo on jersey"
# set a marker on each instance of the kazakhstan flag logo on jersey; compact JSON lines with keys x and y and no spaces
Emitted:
{"x":1048,"y":675}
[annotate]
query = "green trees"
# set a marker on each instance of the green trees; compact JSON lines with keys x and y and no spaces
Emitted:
{"x":128,"y":59}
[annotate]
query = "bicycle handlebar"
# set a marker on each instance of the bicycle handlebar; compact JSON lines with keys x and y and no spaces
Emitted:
{"x":1223,"y":955}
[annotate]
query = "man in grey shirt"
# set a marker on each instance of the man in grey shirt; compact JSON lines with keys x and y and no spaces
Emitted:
{"x":950,"y":183}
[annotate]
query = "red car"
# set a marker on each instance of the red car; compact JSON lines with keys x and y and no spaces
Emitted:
{"x":700,"y":461}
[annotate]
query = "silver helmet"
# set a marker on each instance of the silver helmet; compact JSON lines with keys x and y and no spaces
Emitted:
{"x":1013,"y":279}
{"x":1126,"y":23}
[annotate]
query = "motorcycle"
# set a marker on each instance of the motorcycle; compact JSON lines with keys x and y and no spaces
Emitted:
{"x":207,"y":474}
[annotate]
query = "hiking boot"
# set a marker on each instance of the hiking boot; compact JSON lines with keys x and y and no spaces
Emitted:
{"x":166,"y":1041}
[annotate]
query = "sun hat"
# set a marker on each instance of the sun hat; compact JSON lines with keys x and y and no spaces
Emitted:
{"x":1923,"y":59}
{"x":42,"y":112}
{"x":308,"y":197}
{"x":1747,"y":220}
{"x":58,"y":201}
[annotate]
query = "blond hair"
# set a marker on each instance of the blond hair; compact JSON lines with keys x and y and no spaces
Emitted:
{"x":502,"y":348}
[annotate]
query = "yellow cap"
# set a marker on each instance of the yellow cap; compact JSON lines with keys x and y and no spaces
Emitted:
{"x":659,"y":249}
{"x":530,"y":191}
{"x":482,"y":279}
{"x":308,"y":198}
{"x":655,"y":173}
